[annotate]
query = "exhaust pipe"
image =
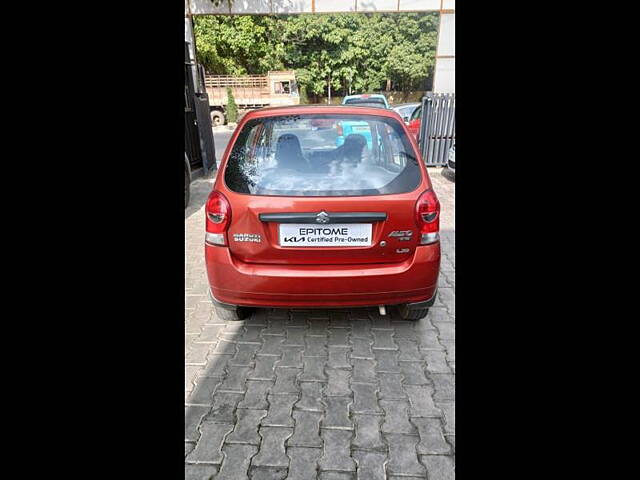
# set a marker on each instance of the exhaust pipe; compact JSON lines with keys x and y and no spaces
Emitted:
{"x":382,"y":310}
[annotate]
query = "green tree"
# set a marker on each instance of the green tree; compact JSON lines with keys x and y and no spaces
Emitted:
{"x":232,"y":108}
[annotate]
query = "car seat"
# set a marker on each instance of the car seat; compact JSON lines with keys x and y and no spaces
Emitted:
{"x":289,"y":153}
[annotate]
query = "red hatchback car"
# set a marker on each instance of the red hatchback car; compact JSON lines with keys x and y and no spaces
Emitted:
{"x":294,"y":221}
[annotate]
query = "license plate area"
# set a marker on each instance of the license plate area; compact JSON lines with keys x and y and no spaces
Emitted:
{"x":332,"y":235}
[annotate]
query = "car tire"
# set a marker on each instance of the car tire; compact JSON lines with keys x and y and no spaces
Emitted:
{"x":187,"y":188}
{"x":415,"y":314}
{"x":232,"y":315}
{"x":217,"y":118}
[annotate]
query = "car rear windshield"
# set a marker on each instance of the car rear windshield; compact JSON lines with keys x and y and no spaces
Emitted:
{"x":322,"y":155}
{"x":366,"y":102}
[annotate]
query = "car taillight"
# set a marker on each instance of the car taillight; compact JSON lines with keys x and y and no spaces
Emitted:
{"x":428,"y":217}
{"x":218,"y":218}
{"x":339,"y":130}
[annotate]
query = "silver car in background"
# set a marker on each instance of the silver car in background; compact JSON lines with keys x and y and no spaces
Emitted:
{"x":451,"y":161}
{"x":405,"y":110}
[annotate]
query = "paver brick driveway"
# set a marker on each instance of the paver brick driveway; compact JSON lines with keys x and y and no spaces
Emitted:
{"x":319,"y":394}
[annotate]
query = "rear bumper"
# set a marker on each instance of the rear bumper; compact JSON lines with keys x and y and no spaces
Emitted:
{"x":233,"y":282}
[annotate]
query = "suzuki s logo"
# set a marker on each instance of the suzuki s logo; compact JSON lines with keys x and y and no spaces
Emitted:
{"x":322,"y":217}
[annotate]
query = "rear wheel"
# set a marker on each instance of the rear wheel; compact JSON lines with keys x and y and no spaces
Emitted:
{"x":232,"y":315}
{"x":217,"y":118}
{"x":408,"y":313}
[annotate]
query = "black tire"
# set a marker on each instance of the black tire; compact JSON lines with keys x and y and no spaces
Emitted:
{"x":217,"y":118}
{"x":414,"y":314}
{"x":232,"y":315}
{"x":187,"y":188}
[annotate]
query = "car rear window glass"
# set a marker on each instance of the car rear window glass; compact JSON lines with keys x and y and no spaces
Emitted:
{"x":366,"y":102}
{"x":322,"y":155}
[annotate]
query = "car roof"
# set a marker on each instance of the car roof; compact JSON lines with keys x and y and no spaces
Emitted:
{"x":320,"y":109}
{"x":366,"y":95}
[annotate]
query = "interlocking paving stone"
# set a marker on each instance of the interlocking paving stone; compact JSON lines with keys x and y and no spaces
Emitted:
{"x":336,"y":455}
{"x":368,"y":437}
{"x":337,"y":412}
{"x":436,"y":362}
{"x":396,"y":418}
{"x":315,"y":346}
{"x":268,"y":473}
{"x":256,"y":395}
{"x":408,"y":350}
{"x":363,"y":371}
{"x":404,"y":329}
{"x":209,"y":446}
{"x":246,"y":429}
{"x":391,"y":386}
{"x":318,"y":326}
{"x":338,"y":383}
{"x":370,"y":465}
{"x":304,"y":463}
{"x":450,"y":347}
{"x":421,"y":401}
{"x":271,"y":345}
{"x":192,"y":418}
{"x":216,"y":365}
{"x":209,"y":333}
{"x":224,"y":406}
{"x":451,"y":440}
{"x":264,"y":368}
{"x":446,"y":330}
{"x":311,"y":396}
{"x":245,"y":355}
{"x":295,"y":336}
{"x":428,"y":340}
{"x":444,"y":387}
{"x":413,"y":373}
{"x":275,"y":326}
{"x":286,"y":380}
{"x":279,"y":413}
{"x":199,"y":472}
{"x":235,"y":379}
{"x":449,"y":410}
{"x":336,"y":476}
{"x":439,"y":466}
{"x":272,"y":451}
{"x":403,"y":459}
{"x":313,"y":370}
{"x":338,"y":318}
{"x":361,"y":328}
{"x":197,"y":354}
{"x":361,"y":348}
{"x":225,"y":347}
{"x":236,"y":461}
{"x":202,"y":393}
{"x":365,"y":398}
{"x":338,"y":357}
{"x":307,"y":429}
{"x":251,"y":334}
{"x":384,"y":340}
{"x":387,"y":361}
{"x":291,"y":357}
{"x":188,"y":448}
{"x":432,"y":440}
{"x":338,"y":337}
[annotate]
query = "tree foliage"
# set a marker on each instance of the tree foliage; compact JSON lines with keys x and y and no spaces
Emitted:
{"x":232,"y":107}
{"x":354,"y":53}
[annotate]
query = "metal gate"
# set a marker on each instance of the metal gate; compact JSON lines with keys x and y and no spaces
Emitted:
{"x":438,"y":127}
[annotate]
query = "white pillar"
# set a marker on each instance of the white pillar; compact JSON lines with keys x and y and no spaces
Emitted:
{"x":444,"y":77}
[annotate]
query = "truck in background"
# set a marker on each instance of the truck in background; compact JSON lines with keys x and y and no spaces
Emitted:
{"x":250,"y":92}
